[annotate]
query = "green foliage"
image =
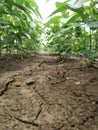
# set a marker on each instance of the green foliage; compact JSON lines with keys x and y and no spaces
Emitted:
{"x":18,"y":21}
{"x":78,"y":27}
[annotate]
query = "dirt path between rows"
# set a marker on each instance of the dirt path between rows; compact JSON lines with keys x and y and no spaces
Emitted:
{"x":43,"y":93}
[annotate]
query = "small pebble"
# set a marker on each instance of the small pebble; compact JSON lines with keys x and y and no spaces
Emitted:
{"x":17,"y":84}
{"x":29,"y":81}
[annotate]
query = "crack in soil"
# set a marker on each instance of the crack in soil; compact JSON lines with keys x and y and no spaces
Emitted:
{"x":42,"y":97}
{"x":42,"y":63}
{"x":39,"y":112}
{"x":6,"y":87}
{"x":32,"y":122}
{"x":27,"y":122}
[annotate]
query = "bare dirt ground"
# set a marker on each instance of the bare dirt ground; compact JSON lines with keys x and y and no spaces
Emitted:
{"x":41,"y":92}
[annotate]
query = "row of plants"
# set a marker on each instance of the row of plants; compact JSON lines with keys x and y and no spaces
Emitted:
{"x":73,"y":28}
{"x":19,"y":25}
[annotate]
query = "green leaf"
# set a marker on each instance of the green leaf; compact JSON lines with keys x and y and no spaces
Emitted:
{"x":75,"y":4}
{"x":55,"y":19}
{"x":94,"y":24}
{"x":5,"y":23}
{"x":64,"y":6}
{"x":59,"y":4}
{"x":71,"y":19}
{"x":66,"y":29}
{"x":11,"y":3}
{"x":60,"y":9}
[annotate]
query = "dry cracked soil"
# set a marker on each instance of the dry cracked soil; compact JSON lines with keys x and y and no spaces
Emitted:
{"x":41,"y":92}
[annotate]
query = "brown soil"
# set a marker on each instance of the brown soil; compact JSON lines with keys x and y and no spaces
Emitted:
{"x":41,"y":92}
